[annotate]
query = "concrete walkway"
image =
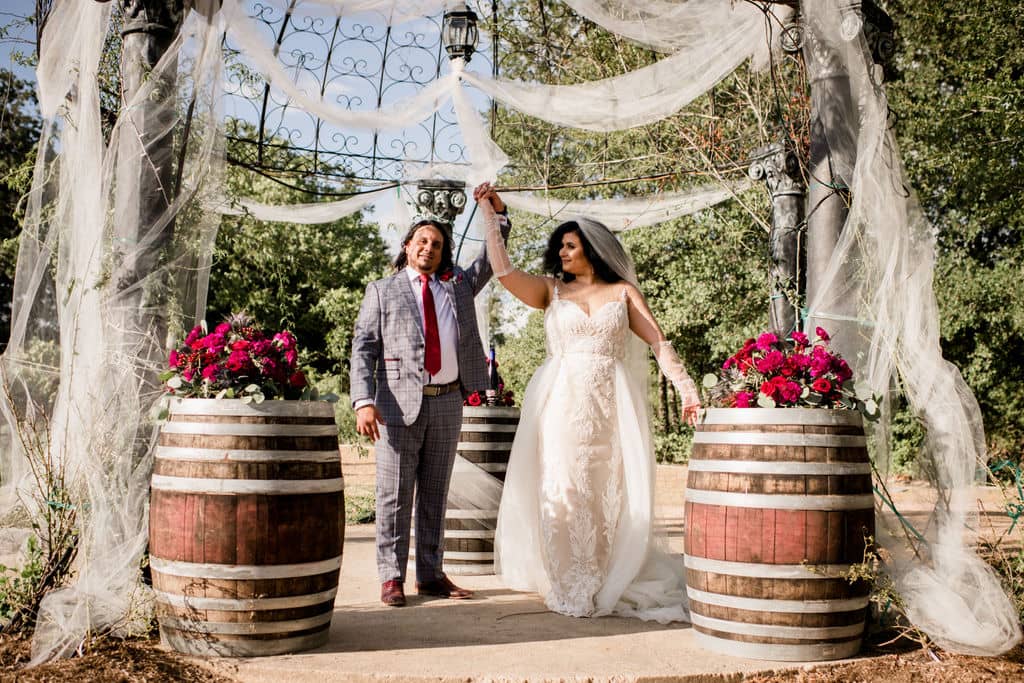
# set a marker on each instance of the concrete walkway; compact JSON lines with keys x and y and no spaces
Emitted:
{"x":500,"y":635}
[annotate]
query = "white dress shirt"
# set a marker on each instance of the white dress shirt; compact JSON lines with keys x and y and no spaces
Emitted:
{"x":447,"y":326}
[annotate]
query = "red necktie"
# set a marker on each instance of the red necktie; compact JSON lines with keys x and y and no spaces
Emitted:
{"x":432,"y":358}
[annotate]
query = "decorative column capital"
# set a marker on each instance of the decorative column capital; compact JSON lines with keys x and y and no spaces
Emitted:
{"x":777,"y":165}
{"x":440,"y":200}
{"x":156,"y":17}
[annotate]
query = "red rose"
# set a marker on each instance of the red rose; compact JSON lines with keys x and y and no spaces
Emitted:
{"x":297,"y":379}
{"x":474,"y":399}
{"x":822,"y":385}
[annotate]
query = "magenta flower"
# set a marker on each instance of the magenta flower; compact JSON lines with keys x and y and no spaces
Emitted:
{"x":771,"y":362}
{"x":843,"y":371}
{"x":790,"y":392}
{"x":765,"y":341}
{"x":172,"y":360}
{"x":822,"y":334}
{"x":222,"y":329}
{"x":261,"y":347}
{"x":194,"y":335}
{"x":210,"y":371}
{"x":238,"y":361}
{"x":745,"y":399}
{"x":800,"y":338}
{"x":285,"y":339}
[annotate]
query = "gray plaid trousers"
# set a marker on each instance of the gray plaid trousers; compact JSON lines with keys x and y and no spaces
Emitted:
{"x":414,"y":466}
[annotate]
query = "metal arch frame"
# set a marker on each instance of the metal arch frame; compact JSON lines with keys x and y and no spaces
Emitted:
{"x":379,"y":60}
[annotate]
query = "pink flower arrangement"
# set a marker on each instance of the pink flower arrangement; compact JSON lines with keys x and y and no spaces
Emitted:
{"x":236,"y":360}
{"x":770,"y":372}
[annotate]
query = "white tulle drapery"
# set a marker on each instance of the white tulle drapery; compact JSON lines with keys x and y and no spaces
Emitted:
{"x":103,"y":297}
{"x":628,"y":213}
{"x":81,"y":293}
{"x":883,"y":265}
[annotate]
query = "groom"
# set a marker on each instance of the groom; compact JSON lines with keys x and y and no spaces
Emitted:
{"x":415,"y":353}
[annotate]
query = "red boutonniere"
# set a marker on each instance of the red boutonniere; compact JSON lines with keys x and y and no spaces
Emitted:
{"x":449,"y":275}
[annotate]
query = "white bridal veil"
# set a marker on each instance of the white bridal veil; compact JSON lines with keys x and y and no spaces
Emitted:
{"x":94,"y":309}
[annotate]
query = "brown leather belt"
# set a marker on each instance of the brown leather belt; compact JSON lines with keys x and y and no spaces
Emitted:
{"x":439,"y":389}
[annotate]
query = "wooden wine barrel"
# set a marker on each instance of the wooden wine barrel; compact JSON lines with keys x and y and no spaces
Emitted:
{"x":486,"y":441}
{"x":246,"y":526}
{"x":778,"y":504}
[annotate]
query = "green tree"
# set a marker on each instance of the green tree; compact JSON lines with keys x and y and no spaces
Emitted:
{"x":959,"y":112}
{"x":306,"y":278}
{"x":19,"y":134}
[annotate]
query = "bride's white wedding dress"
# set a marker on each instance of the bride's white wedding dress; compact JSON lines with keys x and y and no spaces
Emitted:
{"x":576,"y":511}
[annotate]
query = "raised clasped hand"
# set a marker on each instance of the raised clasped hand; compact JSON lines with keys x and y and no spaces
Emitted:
{"x":486,"y":191}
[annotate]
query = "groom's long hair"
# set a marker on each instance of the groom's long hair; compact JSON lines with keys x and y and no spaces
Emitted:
{"x":447,"y":258}
{"x":553,"y":263}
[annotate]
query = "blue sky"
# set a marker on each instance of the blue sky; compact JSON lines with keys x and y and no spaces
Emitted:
{"x":11,"y":10}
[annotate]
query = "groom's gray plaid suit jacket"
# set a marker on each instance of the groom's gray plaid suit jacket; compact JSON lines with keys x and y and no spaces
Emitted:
{"x":388,"y":344}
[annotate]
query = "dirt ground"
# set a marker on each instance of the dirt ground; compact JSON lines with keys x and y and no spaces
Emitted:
{"x":110,"y":661}
{"x":114,"y":661}
{"x":912,"y":666}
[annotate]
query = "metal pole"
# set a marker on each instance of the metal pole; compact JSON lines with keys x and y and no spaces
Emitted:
{"x":833,"y":155}
{"x":144,"y":191}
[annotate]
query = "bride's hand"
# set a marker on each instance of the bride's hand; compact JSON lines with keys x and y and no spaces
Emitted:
{"x":691,"y":413}
{"x":487,"y":192}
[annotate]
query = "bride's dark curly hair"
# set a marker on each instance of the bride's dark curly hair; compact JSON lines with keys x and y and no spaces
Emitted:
{"x":553,"y":263}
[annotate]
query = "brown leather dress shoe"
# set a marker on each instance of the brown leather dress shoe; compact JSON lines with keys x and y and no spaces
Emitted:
{"x":392,"y":593}
{"x":443,"y":588}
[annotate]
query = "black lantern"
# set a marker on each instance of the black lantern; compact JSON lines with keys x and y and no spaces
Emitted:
{"x":460,"y":33}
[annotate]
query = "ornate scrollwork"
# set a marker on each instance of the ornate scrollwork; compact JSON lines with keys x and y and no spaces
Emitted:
{"x":359,"y":62}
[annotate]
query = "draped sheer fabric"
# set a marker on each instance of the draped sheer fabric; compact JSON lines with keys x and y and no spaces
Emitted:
{"x":89,"y":292}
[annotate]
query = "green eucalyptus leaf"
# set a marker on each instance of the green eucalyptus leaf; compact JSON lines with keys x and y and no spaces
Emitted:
{"x":805,"y":393}
{"x":765,"y":401}
{"x":229,"y":392}
{"x":166,"y":375}
{"x":330,"y":397}
{"x":174,"y":382}
{"x":221,"y":394}
{"x":710,"y":381}
{"x":258,"y":398}
{"x":246,"y":399}
{"x":252,"y":389}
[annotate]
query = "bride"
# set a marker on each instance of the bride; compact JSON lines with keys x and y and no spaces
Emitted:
{"x":576,"y":512}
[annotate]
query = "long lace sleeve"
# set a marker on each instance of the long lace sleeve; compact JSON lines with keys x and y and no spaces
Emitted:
{"x":674,"y":370}
{"x":496,"y":252}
